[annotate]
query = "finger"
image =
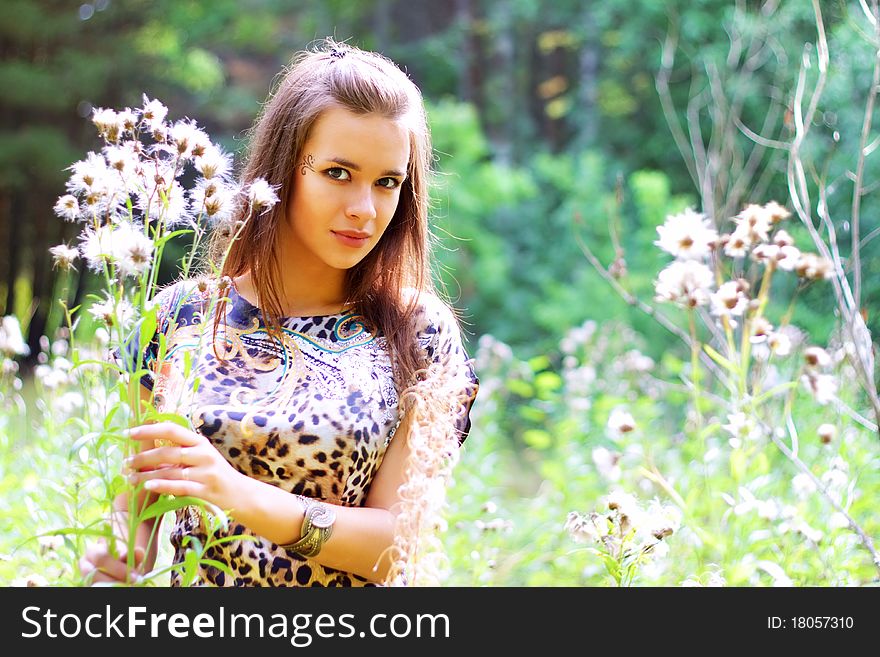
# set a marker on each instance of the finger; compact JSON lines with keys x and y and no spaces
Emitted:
{"x":157,"y":457}
{"x":173,"y":472}
{"x":166,"y":431}
{"x":108,"y":569}
{"x":178,"y":487}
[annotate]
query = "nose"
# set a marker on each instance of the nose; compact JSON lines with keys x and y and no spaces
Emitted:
{"x":361,"y":206}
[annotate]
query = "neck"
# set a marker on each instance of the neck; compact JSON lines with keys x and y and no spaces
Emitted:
{"x":308,"y":288}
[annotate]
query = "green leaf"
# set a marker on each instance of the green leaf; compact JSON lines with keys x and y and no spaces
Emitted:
{"x":218,"y":565}
{"x":721,"y":360}
{"x":190,"y":567}
{"x":166,"y":503}
{"x":149,"y":324}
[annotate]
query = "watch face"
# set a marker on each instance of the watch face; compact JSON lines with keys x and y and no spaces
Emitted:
{"x":324,"y":517}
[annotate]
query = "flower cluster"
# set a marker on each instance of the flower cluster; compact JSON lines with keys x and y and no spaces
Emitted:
{"x":689,"y":282}
{"x":627,"y":533}
{"x":131,"y":192}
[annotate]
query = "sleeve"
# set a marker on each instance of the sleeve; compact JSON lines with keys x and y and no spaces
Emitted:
{"x":446,"y":349}
{"x":167,"y":303}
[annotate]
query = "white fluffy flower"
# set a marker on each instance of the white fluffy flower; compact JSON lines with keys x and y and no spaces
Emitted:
{"x":826,"y":432}
{"x":166,"y":203}
{"x":213,"y":163}
{"x":63,"y":256}
{"x":685,"y":282}
{"x":109,"y":123}
{"x":262,"y":196}
{"x":737,"y":244}
{"x":124,"y":162}
{"x":776,"y":212}
{"x":779,"y":343}
{"x":112,"y":314}
{"x":97,"y":246}
{"x":620,"y":422}
{"x":803,"y":485}
{"x":154,"y":113}
{"x":813,"y":266}
{"x":11,"y":340}
{"x":132,"y":249}
{"x":687,"y":235}
{"x":214,"y":199}
{"x":67,"y":207}
{"x":586,"y":529}
{"x":754,"y":222}
{"x":729,"y":300}
{"x":823,"y":387}
{"x":816,"y":357}
{"x":623,"y":503}
{"x":607,"y":463}
{"x":188,"y":140}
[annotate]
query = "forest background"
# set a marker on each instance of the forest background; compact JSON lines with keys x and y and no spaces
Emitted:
{"x":564,"y":130}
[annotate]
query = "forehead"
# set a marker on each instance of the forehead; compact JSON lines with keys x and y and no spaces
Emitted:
{"x":371,"y":141}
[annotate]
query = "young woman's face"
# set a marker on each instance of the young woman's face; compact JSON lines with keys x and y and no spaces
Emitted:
{"x":346,"y":188}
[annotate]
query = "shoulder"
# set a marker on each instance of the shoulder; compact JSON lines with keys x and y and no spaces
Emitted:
{"x":431,"y":314}
{"x":437,"y":327}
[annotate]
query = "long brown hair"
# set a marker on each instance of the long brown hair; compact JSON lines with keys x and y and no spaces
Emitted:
{"x":339,"y":75}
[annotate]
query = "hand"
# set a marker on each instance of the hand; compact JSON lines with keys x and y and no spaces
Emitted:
{"x":189,"y":466}
{"x":99,"y":566}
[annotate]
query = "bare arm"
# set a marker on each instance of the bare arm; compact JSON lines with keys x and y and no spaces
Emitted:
{"x":361,"y":536}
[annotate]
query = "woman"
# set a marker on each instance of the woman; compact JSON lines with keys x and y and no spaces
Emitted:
{"x":326,"y":315}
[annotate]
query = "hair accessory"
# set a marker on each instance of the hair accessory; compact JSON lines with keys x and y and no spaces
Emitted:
{"x":316,"y":527}
{"x":337,"y":53}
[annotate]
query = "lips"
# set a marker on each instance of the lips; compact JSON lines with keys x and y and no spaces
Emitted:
{"x":352,"y":238}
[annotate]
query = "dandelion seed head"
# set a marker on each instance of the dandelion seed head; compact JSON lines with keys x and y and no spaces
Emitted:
{"x":214,"y":199}
{"x":165,"y":202}
{"x":782,"y":238}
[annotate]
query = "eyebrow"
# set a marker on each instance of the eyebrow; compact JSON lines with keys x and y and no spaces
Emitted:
{"x":354,"y":167}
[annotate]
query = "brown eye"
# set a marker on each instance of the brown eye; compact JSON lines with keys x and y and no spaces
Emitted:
{"x":337,"y":173}
{"x":388,"y":183}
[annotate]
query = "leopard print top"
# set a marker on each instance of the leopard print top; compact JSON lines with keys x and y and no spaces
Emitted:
{"x":312,"y":416}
